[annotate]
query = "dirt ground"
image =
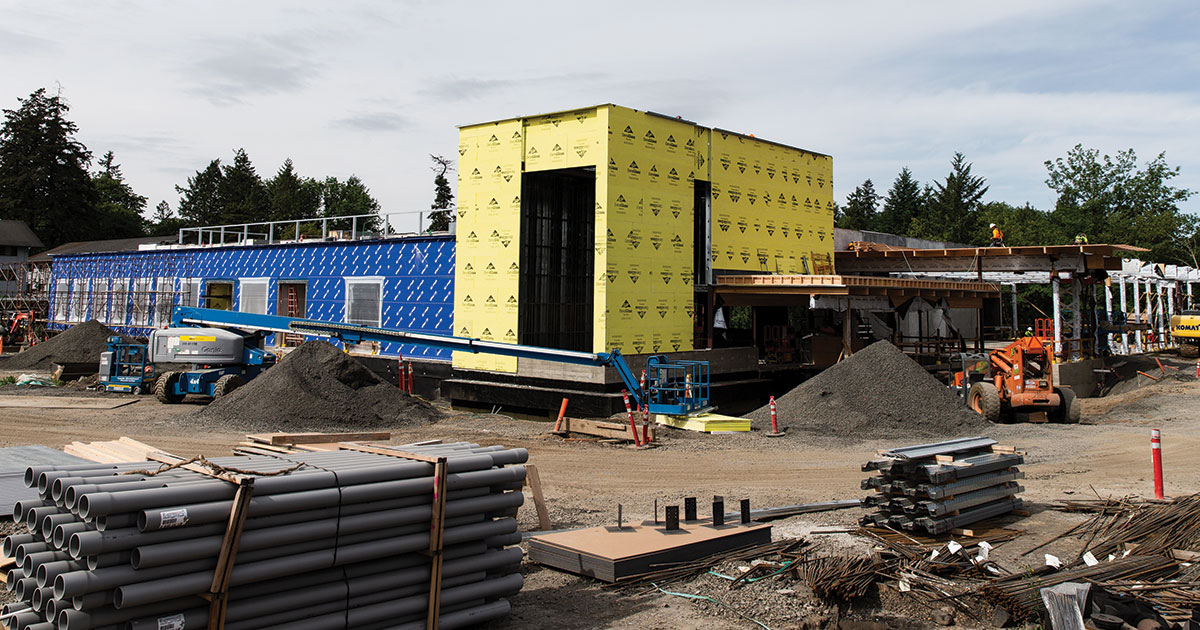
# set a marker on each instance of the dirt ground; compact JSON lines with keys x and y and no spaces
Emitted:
{"x":584,"y":481}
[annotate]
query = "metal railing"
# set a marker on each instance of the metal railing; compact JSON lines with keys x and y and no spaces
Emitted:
{"x":348,"y":227}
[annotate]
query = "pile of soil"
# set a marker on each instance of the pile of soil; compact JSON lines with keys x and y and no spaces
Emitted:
{"x":876,"y":393}
{"x":81,"y":343}
{"x":317,"y":387}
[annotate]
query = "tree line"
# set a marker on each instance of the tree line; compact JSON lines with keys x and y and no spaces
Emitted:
{"x":48,"y":181}
{"x":1107,"y":199}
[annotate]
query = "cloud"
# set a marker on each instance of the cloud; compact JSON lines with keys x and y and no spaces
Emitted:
{"x":20,"y":44}
{"x":373,"y":121}
{"x":236,"y":69}
{"x":456,"y":89}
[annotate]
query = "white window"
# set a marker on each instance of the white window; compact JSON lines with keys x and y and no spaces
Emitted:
{"x":141,"y":301}
{"x":62,"y":289}
{"x":164,"y":300}
{"x":364,"y":301}
{"x":253,"y":295}
{"x":99,"y":299}
{"x":119,"y":302}
{"x":78,"y":289}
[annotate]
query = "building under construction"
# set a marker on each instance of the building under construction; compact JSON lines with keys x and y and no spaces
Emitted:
{"x":592,"y":229}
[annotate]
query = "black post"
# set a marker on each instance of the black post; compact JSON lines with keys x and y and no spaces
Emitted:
{"x":718,"y":511}
{"x":745,"y":511}
{"x":689,"y":509}
{"x":672,"y":518}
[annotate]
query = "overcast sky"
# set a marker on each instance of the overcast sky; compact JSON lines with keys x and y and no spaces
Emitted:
{"x":373,"y":88}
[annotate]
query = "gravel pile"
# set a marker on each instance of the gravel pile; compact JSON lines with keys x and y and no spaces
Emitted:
{"x":81,"y":343}
{"x":876,"y":393}
{"x":317,"y":387}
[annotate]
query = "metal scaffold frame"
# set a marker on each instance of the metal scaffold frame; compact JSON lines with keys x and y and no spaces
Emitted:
{"x":134,"y":292}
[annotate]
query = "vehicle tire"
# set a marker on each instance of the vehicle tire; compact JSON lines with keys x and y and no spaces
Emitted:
{"x":1069,"y":412}
{"x":136,"y":391}
{"x":985,"y":400}
{"x":164,"y":388}
{"x":1189,"y":350}
{"x":227,"y":384}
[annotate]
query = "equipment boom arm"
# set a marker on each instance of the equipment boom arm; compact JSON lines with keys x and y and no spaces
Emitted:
{"x":356,"y":333}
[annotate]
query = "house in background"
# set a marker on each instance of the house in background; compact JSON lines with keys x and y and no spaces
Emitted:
{"x":17,"y":241}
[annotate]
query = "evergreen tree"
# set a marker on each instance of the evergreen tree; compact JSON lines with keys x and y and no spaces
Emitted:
{"x":164,"y":222}
{"x":242,"y":193}
{"x":903,"y":202}
{"x":951,"y":212}
{"x":118,"y":208}
{"x":200,"y":201}
{"x":44,"y":178}
{"x":347,"y":198}
{"x":443,"y":198}
{"x":291,"y":196}
{"x":859,"y":211}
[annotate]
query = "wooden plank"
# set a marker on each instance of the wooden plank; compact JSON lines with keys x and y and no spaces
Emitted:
{"x":318,"y":438}
{"x":142,"y":446}
{"x":79,"y":449}
{"x":63,"y":402}
{"x":534,"y":481}
{"x":597,"y":428}
{"x":390,"y":452}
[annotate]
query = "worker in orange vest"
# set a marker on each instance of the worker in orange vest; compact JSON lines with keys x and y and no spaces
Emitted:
{"x":997,"y":236}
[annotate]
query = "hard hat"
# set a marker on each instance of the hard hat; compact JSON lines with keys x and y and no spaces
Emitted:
{"x":991,"y":225}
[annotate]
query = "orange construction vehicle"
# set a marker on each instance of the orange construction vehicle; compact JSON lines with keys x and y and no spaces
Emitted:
{"x":1019,"y":380}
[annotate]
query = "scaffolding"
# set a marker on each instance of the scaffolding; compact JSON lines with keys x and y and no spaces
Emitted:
{"x":24,"y":301}
{"x":133,"y":293}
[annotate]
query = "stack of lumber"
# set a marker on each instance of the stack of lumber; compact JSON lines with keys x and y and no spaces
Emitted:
{"x":936,"y":488}
{"x":111,"y":452}
{"x":365,"y":537}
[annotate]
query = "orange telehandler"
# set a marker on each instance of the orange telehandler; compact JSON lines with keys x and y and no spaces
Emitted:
{"x":1019,"y":380}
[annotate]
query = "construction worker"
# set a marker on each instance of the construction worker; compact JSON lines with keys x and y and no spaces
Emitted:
{"x":1081,"y":239}
{"x":997,"y":236}
{"x":1029,"y":332}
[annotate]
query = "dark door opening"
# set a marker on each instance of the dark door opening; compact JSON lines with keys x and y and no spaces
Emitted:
{"x":701,"y":212}
{"x":558,"y":226}
{"x":291,"y":302}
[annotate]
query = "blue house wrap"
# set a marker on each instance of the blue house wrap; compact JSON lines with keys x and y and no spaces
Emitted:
{"x":403,"y":283}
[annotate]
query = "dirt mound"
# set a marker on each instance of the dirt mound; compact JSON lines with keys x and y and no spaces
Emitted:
{"x":81,"y":343}
{"x":317,"y":387}
{"x":876,"y":393}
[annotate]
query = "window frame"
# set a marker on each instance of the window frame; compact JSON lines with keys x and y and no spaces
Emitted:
{"x":353,"y":280}
{"x":266,"y":294}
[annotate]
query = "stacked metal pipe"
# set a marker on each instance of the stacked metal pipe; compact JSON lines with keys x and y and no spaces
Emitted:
{"x":938,"y":487}
{"x":336,"y":543}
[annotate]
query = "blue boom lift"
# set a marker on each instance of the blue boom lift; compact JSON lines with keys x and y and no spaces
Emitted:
{"x":676,"y":388}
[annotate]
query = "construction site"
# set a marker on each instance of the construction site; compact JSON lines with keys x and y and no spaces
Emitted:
{"x":641,"y":382}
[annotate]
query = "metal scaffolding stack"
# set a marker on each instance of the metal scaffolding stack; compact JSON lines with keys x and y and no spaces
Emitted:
{"x":936,"y":488}
{"x":363,"y":537}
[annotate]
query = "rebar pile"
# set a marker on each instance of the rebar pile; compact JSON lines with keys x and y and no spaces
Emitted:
{"x":839,"y":577}
{"x":1152,"y":527}
{"x":1020,"y":593}
{"x":939,"y":487}
{"x":332,"y":540}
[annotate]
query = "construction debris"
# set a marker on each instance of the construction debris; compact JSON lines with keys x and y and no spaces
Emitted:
{"x":317,"y":387}
{"x":321,"y":541}
{"x":878,"y":392}
{"x":936,"y":488}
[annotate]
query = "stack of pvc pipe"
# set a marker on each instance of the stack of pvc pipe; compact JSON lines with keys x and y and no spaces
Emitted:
{"x":337,"y":543}
{"x":936,"y":488}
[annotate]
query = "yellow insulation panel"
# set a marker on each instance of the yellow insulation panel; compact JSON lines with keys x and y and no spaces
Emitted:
{"x":772,"y":207}
{"x":487,"y":248}
{"x":647,"y":226}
